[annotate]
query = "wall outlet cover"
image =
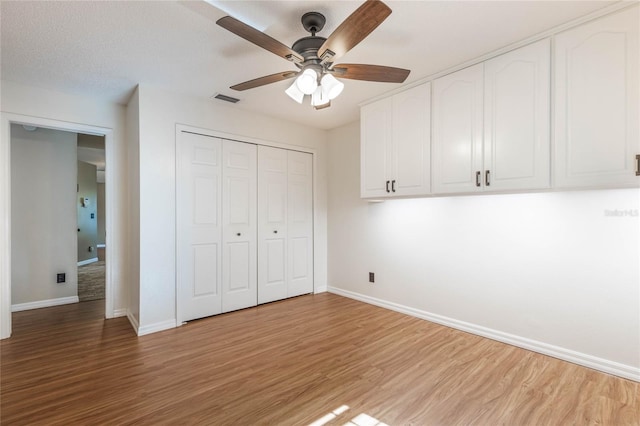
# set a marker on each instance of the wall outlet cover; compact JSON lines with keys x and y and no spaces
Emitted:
{"x":61,"y":278}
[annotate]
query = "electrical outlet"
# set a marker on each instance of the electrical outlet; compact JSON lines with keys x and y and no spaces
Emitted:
{"x":61,"y":278}
{"x":371,"y":277}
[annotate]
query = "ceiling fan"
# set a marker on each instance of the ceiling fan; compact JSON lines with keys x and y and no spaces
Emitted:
{"x":314,"y":55}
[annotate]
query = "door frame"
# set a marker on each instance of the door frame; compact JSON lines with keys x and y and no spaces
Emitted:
{"x":5,"y":205}
{"x":245,"y":139}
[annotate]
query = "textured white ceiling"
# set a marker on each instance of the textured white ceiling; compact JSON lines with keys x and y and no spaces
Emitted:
{"x":102,"y":49}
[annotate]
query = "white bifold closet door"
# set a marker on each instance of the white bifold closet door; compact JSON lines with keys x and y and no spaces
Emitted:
{"x":199,"y":226}
{"x":239,"y":227}
{"x":217,"y":229}
{"x":285,"y":224}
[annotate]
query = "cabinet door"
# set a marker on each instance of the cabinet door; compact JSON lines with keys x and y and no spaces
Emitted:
{"x":375,"y":148}
{"x":411,"y":127}
{"x":596,"y":103}
{"x":457,"y":130}
{"x":199,"y":227}
{"x":239,"y":197}
{"x":516,"y":119}
{"x":299,"y":223}
{"x":272,"y":224}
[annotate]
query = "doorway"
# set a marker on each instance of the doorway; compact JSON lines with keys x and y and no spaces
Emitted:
{"x":7,"y":212}
{"x":54,"y":191}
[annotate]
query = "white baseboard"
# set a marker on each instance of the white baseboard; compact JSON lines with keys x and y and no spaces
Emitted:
{"x":604,"y":365}
{"x":117,"y":313}
{"x":88,"y":261}
{"x":322,"y":289}
{"x":44,"y":303}
{"x":154,"y":328}
{"x":133,"y":321}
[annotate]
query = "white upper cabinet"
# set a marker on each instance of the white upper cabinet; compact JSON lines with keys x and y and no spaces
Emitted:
{"x":411,"y":130}
{"x":596,"y":103}
{"x":457,"y":131}
{"x":395,"y":144}
{"x":375,"y":129}
{"x":491,"y":124}
{"x":516,"y":119}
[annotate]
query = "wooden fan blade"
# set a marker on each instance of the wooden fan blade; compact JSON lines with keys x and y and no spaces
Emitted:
{"x":319,"y":107}
{"x":259,"y":38}
{"x":267,"y":79}
{"x":371,"y":73}
{"x":355,"y":28}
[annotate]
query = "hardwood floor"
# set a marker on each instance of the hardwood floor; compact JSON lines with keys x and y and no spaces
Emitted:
{"x":291,"y":363}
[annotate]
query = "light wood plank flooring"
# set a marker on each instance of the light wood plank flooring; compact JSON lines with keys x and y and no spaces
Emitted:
{"x":291,"y":363}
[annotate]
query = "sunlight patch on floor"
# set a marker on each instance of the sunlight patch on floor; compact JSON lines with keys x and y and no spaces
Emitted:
{"x":360,"y":420}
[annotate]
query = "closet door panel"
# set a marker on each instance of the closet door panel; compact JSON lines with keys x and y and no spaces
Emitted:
{"x":272,"y":224}
{"x":300,"y":223}
{"x":199,"y":229}
{"x":239,"y":220}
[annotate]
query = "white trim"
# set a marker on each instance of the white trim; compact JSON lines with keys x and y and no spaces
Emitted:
{"x":119,"y":313}
{"x":604,"y":365}
{"x":6,"y":119}
{"x":44,"y":303}
{"x":88,"y":261}
{"x":321,"y":289}
{"x":133,"y":321}
{"x":240,"y":138}
{"x":154,"y":328}
{"x":607,"y":10}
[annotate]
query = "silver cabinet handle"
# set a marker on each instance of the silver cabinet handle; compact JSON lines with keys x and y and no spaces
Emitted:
{"x":486,"y":177}
{"x":478,"y":178}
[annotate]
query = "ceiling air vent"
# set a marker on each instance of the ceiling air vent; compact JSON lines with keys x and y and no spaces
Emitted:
{"x":225,"y":98}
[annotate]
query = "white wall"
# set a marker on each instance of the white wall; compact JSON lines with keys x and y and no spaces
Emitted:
{"x":43,"y":211}
{"x":88,"y":226}
{"x":542,"y":268}
{"x":160,"y":111}
{"x":101,"y":212}
{"x":133,"y":194}
{"x":77,"y":111}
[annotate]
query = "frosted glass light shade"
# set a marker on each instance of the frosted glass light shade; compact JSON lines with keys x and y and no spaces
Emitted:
{"x":307,"y":81}
{"x":319,"y":97}
{"x":331,"y":86}
{"x":295,"y":93}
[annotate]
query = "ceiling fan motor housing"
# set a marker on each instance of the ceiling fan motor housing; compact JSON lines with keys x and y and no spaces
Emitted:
{"x":313,"y":22}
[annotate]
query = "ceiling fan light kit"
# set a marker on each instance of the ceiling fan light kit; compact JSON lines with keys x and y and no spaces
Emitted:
{"x":315,"y":55}
{"x":295,"y":93}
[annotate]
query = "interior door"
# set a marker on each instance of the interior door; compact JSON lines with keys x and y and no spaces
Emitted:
{"x":272,"y":224}
{"x":239,"y":234}
{"x":199,"y":231}
{"x":300,"y":223}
